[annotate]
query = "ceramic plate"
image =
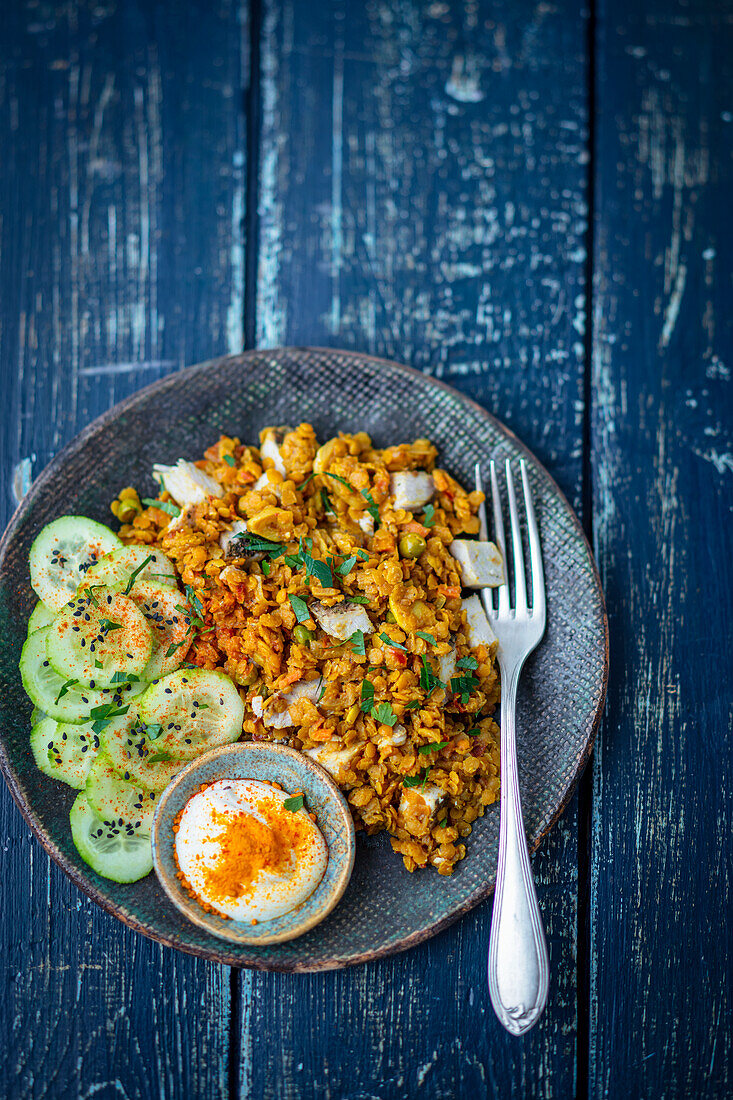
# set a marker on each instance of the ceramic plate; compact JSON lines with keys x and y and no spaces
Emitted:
{"x":384,"y":908}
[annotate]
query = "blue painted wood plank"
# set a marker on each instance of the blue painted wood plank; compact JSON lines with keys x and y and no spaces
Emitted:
{"x":422,"y":196}
{"x":121,"y":199}
{"x":662,"y":986}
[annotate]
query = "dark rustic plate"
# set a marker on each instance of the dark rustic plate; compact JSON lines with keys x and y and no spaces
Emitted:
{"x":384,"y":909}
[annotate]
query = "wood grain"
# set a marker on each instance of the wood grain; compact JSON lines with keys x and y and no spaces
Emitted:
{"x":661,"y":984}
{"x":122,"y":198}
{"x":422,"y":196}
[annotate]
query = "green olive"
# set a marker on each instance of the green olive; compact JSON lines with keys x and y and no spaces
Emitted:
{"x":302,"y":635}
{"x":127,"y":511}
{"x":412,"y":546}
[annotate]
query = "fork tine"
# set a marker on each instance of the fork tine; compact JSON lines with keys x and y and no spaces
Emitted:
{"x":520,"y":584}
{"x":503,"y":589}
{"x":535,"y":551}
{"x":483,"y":529}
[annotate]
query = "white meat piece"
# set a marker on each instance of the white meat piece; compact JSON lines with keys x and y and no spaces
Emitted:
{"x":430,"y":795}
{"x":182,"y":520}
{"x":270,"y":447}
{"x":480,"y":562}
{"x":397,"y":736}
{"x":341,"y":620}
{"x":304,"y":689}
{"x":411,"y":489}
{"x":479,"y":627}
{"x":239,"y":527}
{"x":186,"y":483}
{"x":261,"y":482}
{"x":366,"y":522}
{"x":334,"y":758}
{"x":447,"y":665}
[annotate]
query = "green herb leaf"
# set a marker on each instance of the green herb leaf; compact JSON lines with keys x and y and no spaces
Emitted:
{"x":173,"y":647}
{"x":266,"y":567}
{"x":164,"y":505}
{"x":346,"y":566}
{"x":367,"y":696}
{"x":357,"y":643}
{"x":393,"y":645}
{"x":159,"y":758}
{"x":327,"y":502}
{"x":434,"y":747}
{"x":467,"y":662}
{"x":193,"y":598}
{"x":341,"y":480}
{"x":230,"y":460}
{"x":303,"y":484}
{"x":384,"y":714}
{"x":428,"y":516}
{"x":98,"y":664}
{"x":473,"y":732}
{"x":428,"y":680}
{"x":358,"y":599}
{"x":463,"y":685}
{"x":64,"y":688}
{"x":413,"y":705}
{"x":133,"y":575}
{"x":372,"y":507}
{"x":300,"y":607}
{"x":153,"y":731}
{"x":106,"y":625}
{"x":108,"y":710}
{"x":124,"y":678}
{"x":294,"y":804}
{"x":318,"y":569}
{"x":426,"y":637}
{"x":362,"y":554}
{"x":416,"y":780}
{"x":321,"y":689}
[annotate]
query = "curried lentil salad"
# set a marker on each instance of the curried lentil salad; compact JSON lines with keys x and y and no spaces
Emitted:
{"x":327,"y":580}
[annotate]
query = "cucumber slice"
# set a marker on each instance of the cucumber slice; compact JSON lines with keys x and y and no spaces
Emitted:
{"x":117,"y":801}
{"x":100,"y":637}
{"x":138,"y":759}
{"x":55,"y":696}
{"x":117,"y":567}
{"x":168,"y":614}
{"x":63,"y":552}
{"x":37,"y":715}
{"x":64,"y":751}
{"x":196,"y":710}
{"x":118,"y":852}
{"x":40,"y":616}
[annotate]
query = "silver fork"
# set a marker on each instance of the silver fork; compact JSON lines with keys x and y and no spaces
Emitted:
{"x":518,"y":963}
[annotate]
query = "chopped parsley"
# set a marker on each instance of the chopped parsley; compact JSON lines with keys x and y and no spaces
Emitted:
{"x":392,"y":644}
{"x":428,"y":680}
{"x":357,"y":643}
{"x":463,"y":686}
{"x":426,"y":637}
{"x":413,"y":705}
{"x":153,"y":731}
{"x":300,"y":607}
{"x":124,"y":677}
{"x":173,"y":647}
{"x":327,"y":502}
{"x":303,"y":484}
{"x":64,"y":688}
{"x":358,"y":599}
{"x":435,"y":746}
{"x":159,"y":758}
{"x":367,"y":696}
{"x":372,"y":506}
{"x":473,"y":732}
{"x":294,"y":804}
{"x":428,"y":518}
{"x":164,"y":505}
{"x":134,"y":574}
{"x":321,"y":689}
{"x":346,"y":566}
{"x":416,"y":780}
{"x":384,"y":714}
{"x":467,"y":662}
{"x":106,"y":625}
{"x":362,"y":554}
{"x":230,"y":460}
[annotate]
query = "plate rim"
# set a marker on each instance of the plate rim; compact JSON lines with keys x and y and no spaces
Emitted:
{"x":406,"y":942}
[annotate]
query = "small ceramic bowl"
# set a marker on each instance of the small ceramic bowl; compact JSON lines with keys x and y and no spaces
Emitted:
{"x":294,"y":772}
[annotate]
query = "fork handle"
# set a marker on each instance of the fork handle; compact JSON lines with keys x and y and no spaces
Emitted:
{"x":518,"y":963}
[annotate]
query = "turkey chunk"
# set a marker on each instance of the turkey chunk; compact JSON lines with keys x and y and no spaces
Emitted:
{"x":479,"y":627}
{"x":304,"y":689}
{"x":480,"y":562}
{"x":341,"y":620}
{"x":410,"y":490}
{"x":186,"y":483}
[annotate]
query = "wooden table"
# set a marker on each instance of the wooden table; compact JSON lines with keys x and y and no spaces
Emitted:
{"x":532,"y":202}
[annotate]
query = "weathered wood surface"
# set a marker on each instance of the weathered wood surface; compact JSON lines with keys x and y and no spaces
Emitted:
{"x":661,"y":1021}
{"x":121,"y":199}
{"x":420,"y":175}
{"x":422,"y":196}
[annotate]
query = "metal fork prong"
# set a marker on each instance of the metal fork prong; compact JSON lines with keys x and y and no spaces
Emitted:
{"x":520,"y":584}
{"x":535,"y":552}
{"x":483,"y":527}
{"x":503,"y":589}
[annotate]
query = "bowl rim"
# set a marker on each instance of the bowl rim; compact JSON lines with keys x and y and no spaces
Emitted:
{"x":80,"y":879}
{"x":239,"y":750}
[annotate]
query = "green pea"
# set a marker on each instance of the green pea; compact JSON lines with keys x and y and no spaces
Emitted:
{"x":302,"y":634}
{"x":412,"y":546}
